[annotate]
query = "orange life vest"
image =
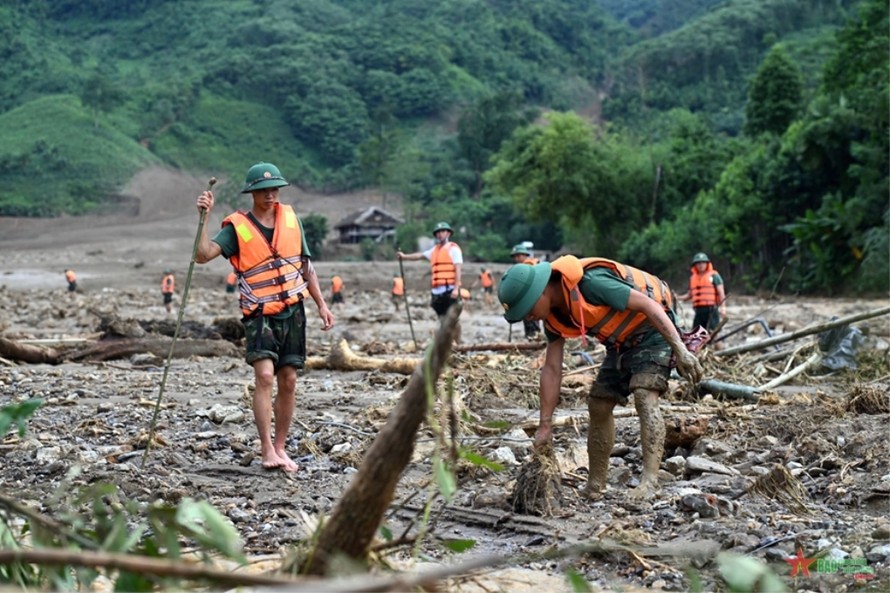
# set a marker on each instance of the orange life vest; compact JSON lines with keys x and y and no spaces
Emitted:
{"x":271,"y":274}
{"x":232,"y":279}
{"x":336,"y":284}
{"x":701,"y":287}
{"x":398,"y":287}
{"x":444,"y":272}
{"x":70,"y":276}
{"x":609,"y":325}
{"x":487,"y":280}
{"x":168,"y":284}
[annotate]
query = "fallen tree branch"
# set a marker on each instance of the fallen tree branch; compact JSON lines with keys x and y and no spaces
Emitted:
{"x":141,"y":565}
{"x":160,"y":347}
{"x":813,"y":329}
{"x":28,"y":353}
{"x":785,"y":377}
{"x":342,"y":358}
{"x":358,"y":514}
{"x":498,"y":346}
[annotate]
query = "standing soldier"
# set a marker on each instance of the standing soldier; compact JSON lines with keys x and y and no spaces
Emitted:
{"x":71,"y":277}
{"x":267,"y":248}
{"x":231,"y":281}
{"x":168,"y":285}
{"x":336,"y":290}
{"x":446,"y":260}
{"x":521,"y":255}
{"x":398,"y":290}
{"x":706,"y":293}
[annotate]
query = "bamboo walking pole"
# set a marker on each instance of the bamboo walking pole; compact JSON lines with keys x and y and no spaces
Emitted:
{"x":407,"y":308}
{"x":185,"y":296}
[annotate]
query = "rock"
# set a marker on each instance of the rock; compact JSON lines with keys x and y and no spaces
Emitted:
{"x":878,"y":553}
{"x":676,"y":465}
{"x":695,"y":464}
{"x":703,"y":504}
{"x":341,"y":448}
{"x":881,"y":532}
{"x":504,"y":455}
{"x":238,"y":516}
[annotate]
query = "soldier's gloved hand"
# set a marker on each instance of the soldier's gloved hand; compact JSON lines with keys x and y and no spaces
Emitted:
{"x":688,"y":366}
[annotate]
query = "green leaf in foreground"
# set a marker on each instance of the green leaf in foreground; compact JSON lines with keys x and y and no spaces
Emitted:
{"x":459,"y":545}
{"x":17,"y":414}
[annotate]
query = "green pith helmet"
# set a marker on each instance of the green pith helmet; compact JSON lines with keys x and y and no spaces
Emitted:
{"x":521,"y":287}
{"x":520,"y":250}
{"x":263,"y":176}
{"x":700,"y":257}
{"x":442,"y":226}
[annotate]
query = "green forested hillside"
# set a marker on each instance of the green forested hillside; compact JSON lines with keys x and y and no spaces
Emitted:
{"x":681,"y":103}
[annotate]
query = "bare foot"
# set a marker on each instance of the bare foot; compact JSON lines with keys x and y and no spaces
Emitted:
{"x":287,"y":464}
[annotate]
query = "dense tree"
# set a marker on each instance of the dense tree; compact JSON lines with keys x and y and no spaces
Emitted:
{"x":774,"y":98}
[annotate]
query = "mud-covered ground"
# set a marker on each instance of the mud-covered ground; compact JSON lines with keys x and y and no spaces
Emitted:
{"x":806,"y":467}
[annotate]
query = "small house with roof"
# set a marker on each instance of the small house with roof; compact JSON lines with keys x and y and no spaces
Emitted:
{"x":371,"y":223}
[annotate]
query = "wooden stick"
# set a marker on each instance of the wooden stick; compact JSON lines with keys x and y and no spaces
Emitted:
{"x":785,"y":377}
{"x":140,"y":565}
{"x":813,"y":329}
{"x":499,"y":346}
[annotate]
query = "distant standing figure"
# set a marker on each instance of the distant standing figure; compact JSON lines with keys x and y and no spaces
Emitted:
{"x":521,"y":255}
{"x":486,"y":280}
{"x":71,"y":277}
{"x":706,"y":293}
{"x":336,"y":290}
{"x":267,"y":247}
{"x":446,"y":260}
{"x":398,"y":290}
{"x":231,"y":282}
{"x":168,"y":285}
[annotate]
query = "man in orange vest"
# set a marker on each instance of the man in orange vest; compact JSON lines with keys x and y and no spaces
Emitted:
{"x":628,"y":310}
{"x":231,"y":282}
{"x":486,"y":280}
{"x":446,"y":261}
{"x":706,"y":293}
{"x":336,"y":290}
{"x":71,"y":277}
{"x":168,"y":286}
{"x":267,"y":247}
{"x":398,"y":290}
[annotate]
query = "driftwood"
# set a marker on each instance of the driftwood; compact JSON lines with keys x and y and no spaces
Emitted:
{"x":342,"y":358}
{"x":160,"y":347}
{"x":498,"y":346}
{"x":358,"y":514}
{"x":787,"y":376}
{"x":730,"y":390}
{"x":813,"y":329}
{"x":12,"y":350}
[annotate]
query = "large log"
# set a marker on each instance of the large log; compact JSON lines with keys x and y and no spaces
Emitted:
{"x":357,"y":516}
{"x":27,"y":353}
{"x":342,"y":358}
{"x":807,"y":331}
{"x":160,"y":347}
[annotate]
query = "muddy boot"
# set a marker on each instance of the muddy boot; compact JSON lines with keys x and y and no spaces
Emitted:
{"x":600,"y":440}
{"x":652,"y":441}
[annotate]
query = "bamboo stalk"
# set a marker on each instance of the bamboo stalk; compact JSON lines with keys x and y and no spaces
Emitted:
{"x":813,"y":329}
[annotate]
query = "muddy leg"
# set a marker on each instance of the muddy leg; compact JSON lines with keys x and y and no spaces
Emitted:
{"x":652,"y":440}
{"x":600,"y":440}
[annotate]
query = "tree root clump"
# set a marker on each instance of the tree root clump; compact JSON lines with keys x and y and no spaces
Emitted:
{"x":538,"y":488}
{"x":866,"y":399}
